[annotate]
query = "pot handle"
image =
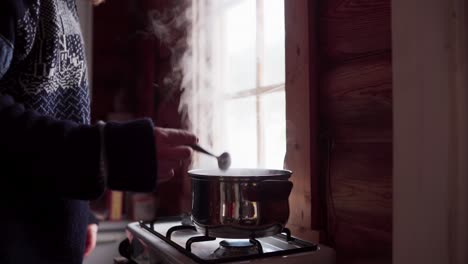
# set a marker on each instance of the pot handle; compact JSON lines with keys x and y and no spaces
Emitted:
{"x":269,"y":190}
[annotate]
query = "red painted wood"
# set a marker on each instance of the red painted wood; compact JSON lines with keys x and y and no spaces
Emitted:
{"x":113,"y":62}
{"x":130,"y":65}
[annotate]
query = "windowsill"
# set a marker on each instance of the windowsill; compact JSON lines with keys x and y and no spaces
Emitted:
{"x":304,"y":234}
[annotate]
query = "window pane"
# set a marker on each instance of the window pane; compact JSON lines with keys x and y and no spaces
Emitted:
{"x":238,"y":46}
{"x":274,"y":124}
{"x":234,"y":60}
{"x":240,"y":132}
{"x":274,"y":46}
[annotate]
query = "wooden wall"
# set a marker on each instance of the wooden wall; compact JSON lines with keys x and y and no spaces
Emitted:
{"x":355,"y":109}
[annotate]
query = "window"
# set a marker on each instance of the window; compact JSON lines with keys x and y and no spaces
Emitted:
{"x":239,"y":57}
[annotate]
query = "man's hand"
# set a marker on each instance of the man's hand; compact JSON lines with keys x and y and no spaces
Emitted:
{"x":172,"y":149}
{"x":91,"y":236}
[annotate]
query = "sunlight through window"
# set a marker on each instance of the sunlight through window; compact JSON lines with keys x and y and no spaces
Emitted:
{"x":247,"y":61}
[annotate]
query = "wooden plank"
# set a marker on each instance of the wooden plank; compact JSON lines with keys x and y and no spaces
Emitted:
{"x":361,"y":176}
{"x":356,"y":100}
{"x":351,"y":28}
{"x":361,"y":180}
{"x":361,"y":200}
{"x":359,"y":244}
{"x":356,"y":121}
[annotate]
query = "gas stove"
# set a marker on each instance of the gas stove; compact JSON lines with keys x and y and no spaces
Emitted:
{"x":172,"y":240}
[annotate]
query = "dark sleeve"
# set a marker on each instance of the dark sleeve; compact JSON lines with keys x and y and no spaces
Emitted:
{"x":92,"y":219}
{"x":131,"y":163}
{"x":41,"y":154}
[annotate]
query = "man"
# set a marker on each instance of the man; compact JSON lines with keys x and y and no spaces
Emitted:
{"x":51,"y":160}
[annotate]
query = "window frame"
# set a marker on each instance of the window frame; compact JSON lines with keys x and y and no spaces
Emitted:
{"x":302,"y":118}
{"x":301,"y":91}
{"x":430,"y":151}
{"x":259,"y":90}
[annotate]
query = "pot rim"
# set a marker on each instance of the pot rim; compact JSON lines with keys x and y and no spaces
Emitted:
{"x":240,"y":174}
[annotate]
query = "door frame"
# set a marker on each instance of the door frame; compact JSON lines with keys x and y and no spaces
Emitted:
{"x":430,"y":54}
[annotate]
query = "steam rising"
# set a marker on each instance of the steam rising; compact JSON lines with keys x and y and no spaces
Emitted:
{"x":173,"y":28}
{"x":176,"y":28}
{"x":208,"y":49}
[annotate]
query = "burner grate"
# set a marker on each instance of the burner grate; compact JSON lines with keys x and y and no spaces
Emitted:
{"x":257,"y":244}
{"x":190,"y":241}
{"x":176,"y":228}
{"x":286,"y":235}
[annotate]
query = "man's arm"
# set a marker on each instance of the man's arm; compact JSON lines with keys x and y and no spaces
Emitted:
{"x":39,"y":153}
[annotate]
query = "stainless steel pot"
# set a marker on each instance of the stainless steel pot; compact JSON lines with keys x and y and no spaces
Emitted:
{"x":240,"y":203}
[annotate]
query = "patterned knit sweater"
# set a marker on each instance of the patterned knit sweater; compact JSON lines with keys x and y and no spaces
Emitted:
{"x":47,"y":69}
{"x":49,"y":154}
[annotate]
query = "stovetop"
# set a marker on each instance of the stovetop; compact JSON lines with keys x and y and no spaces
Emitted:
{"x":154,"y":244}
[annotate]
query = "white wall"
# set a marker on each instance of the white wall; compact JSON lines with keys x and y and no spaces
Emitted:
{"x":430,"y":131}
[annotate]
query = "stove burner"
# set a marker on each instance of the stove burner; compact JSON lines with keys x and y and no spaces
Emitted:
{"x":235,"y":248}
{"x":200,"y":256}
